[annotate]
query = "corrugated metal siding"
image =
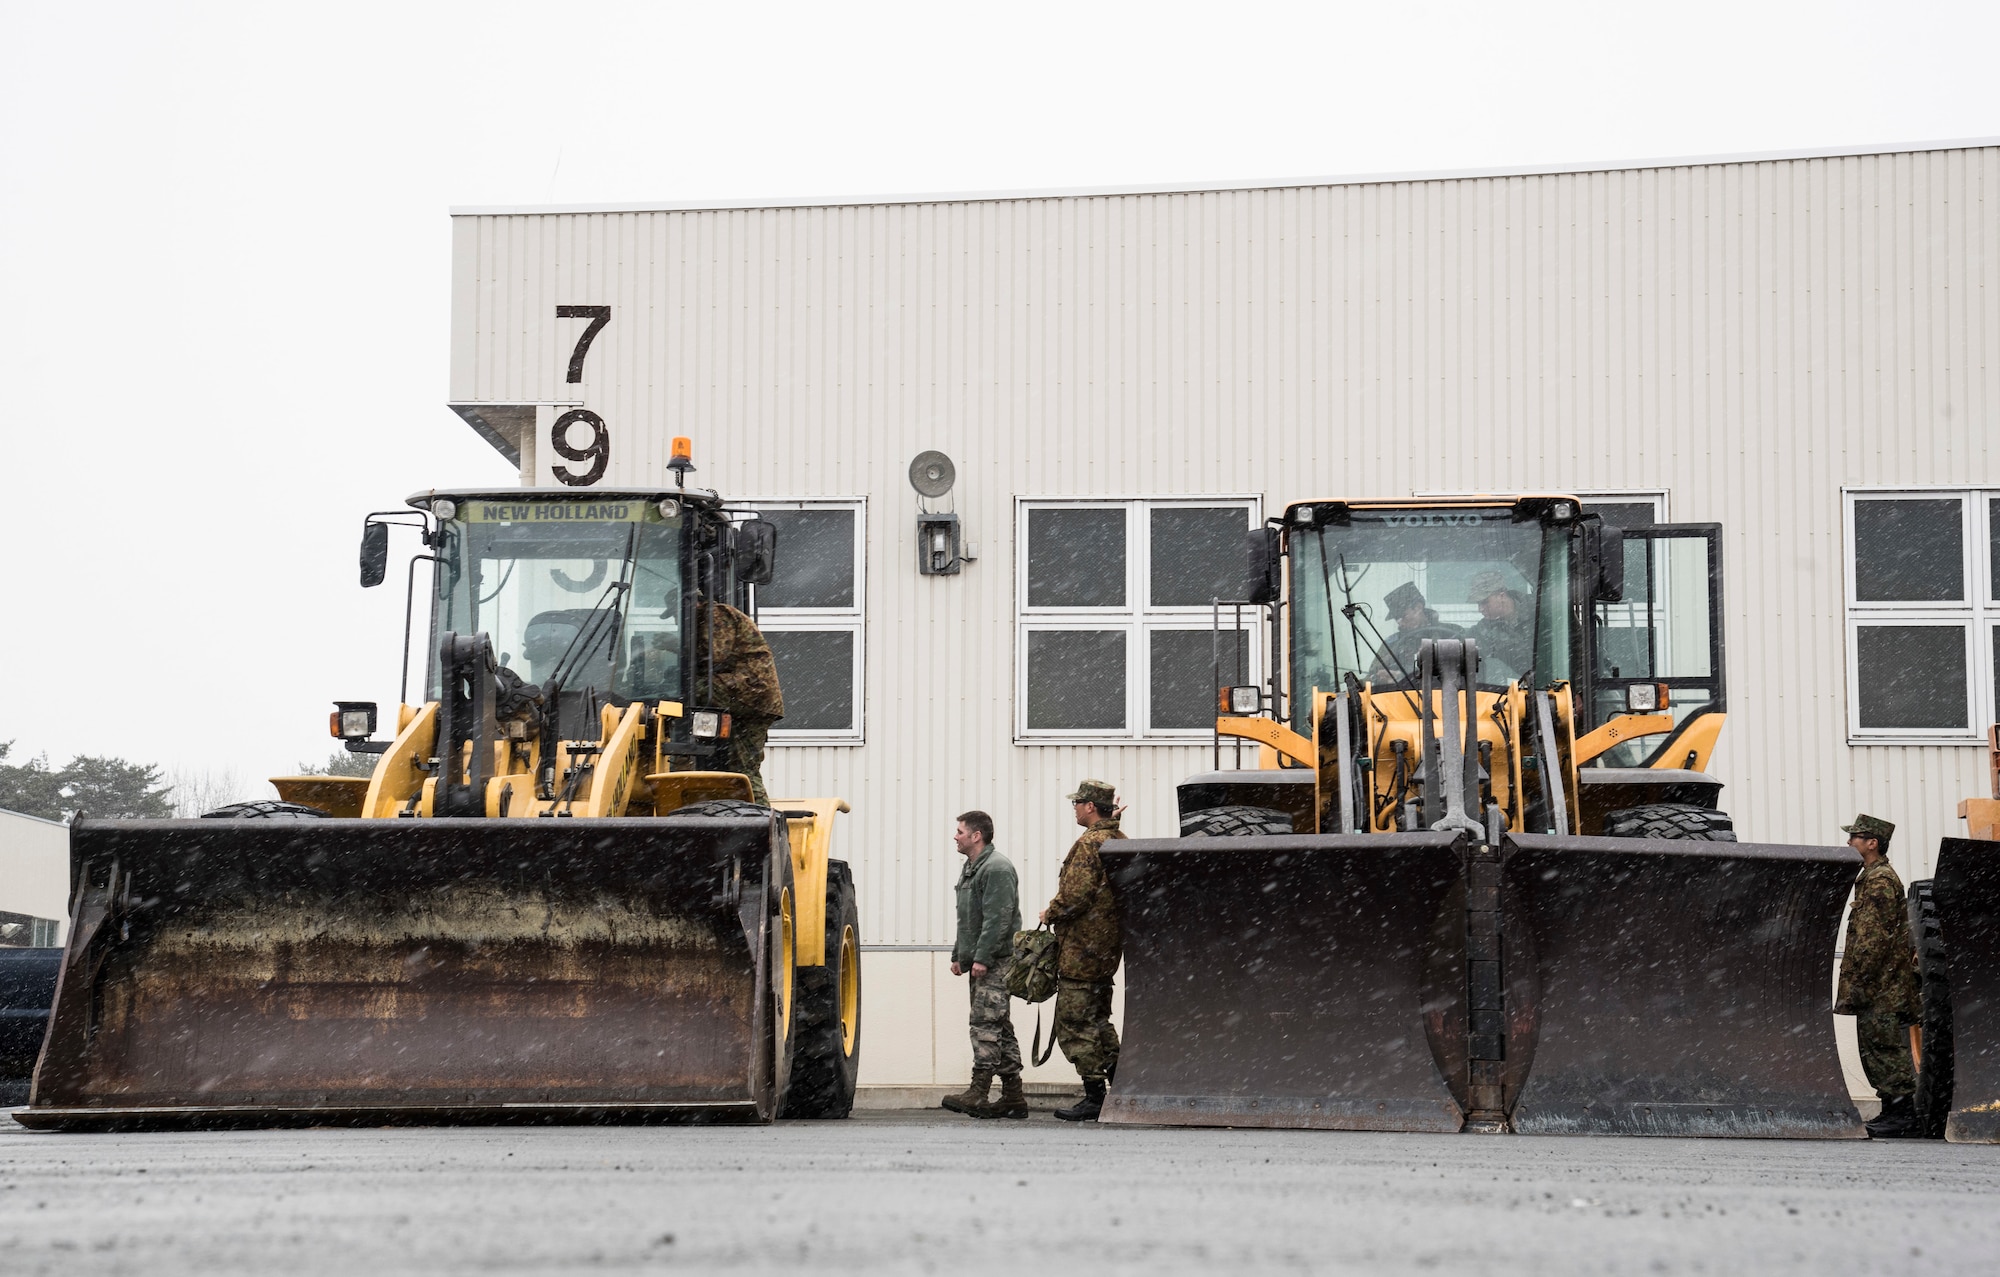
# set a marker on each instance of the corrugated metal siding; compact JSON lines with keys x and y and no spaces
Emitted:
{"x":1748,"y":336}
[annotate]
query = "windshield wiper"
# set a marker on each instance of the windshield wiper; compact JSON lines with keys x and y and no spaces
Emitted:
{"x":1352,"y":610}
{"x":592,"y":629}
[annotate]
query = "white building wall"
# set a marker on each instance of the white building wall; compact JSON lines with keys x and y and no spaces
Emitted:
{"x":34,"y":868}
{"x":1749,"y":336}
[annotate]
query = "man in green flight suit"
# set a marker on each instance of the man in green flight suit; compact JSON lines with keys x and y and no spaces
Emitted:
{"x":735,"y":671}
{"x":989,"y":913}
{"x":1878,"y":979}
{"x":1085,"y":916}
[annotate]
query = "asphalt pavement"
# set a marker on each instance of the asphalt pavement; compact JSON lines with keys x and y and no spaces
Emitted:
{"x":931,"y":1192}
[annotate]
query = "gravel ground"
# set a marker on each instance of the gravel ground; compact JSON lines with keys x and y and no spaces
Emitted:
{"x":931,"y":1192}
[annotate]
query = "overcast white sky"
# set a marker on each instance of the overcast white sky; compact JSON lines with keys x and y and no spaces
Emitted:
{"x":224,"y":245}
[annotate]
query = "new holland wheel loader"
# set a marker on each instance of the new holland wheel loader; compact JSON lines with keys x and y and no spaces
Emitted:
{"x":544,"y":904}
{"x":1479,"y":879}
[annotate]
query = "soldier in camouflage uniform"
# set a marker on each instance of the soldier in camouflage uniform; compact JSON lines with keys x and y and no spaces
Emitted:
{"x":743,"y":680}
{"x":1878,"y":979}
{"x":989,"y":913}
{"x":1085,"y":916}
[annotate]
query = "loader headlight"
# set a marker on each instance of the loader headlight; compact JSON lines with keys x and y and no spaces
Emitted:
{"x":444,"y":509}
{"x":1241,"y":700}
{"x":352,"y":720}
{"x":1646,"y":698}
{"x":708,"y":724}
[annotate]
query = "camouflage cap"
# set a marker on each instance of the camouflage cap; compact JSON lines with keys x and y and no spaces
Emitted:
{"x":1094,"y":791}
{"x":1485,"y":586}
{"x":1403,"y":598}
{"x":1866,"y":826}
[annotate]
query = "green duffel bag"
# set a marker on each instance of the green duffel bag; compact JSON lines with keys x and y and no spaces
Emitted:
{"x":1032,"y":978}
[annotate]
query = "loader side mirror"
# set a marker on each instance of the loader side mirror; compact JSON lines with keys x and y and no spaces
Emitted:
{"x":1267,"y":566}
{"x":1608,"y":555}
{"x":374,"y":554}
{"x":756,"y":551}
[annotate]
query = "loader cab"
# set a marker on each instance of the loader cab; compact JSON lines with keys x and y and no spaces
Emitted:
{"x":1550,"y":592}
{"x":597,"y":592}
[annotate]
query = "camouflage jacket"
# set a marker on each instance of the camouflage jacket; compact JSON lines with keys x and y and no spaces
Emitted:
{"x":1084,"y":912}
{"x":1878,"y":972}
{"x":745,"y":675}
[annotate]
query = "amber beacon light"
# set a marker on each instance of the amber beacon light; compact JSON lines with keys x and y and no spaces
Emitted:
{"x":682,"y":460}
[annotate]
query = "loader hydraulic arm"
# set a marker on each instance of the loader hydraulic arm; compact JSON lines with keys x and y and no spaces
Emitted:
{"x":1621,"y":728}
{"x":1271,"y":734}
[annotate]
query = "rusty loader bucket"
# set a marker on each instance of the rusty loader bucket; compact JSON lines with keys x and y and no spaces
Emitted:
{"x":251,"y":972}
{"x":1674,"y":988}
{"x":1966,"y":889}
{"x":1291,"y":981}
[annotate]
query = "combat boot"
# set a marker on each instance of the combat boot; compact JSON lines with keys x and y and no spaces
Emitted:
{"x":1009,"y":1103}
{"x":1896,"y":1121}
{"x":1087,"y":1108}
{"x":973,"y":1095}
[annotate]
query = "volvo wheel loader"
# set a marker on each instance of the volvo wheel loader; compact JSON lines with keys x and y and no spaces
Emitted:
{"x":1955,"y":924}
{"x":1480,"y":878}
{"x":546,"y":903}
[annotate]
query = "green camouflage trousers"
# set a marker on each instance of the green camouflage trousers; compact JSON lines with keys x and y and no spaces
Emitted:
{"x":1885,"y":1053}
{"x":1083,"y":1027}
{"x":744,"y":752}
{"x":993,"y":1043}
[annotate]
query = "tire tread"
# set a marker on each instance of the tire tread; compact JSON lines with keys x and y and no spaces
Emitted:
{"x":1670,"y":821}
{"x":1934,"y":1080}
{"x":265,"y":809}
{"x":1235,"y":822}
{"x":822,"y":1076}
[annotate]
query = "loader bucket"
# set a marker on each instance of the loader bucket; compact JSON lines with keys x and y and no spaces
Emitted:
{"x":1675,"y":988}
{"x":258,"y":972}
{"x":1291,"y":981}
{"x":1966,"y":889}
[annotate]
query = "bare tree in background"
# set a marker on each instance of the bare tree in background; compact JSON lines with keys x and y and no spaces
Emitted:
{"x":199,"y":790}
{"x":341,"y":763}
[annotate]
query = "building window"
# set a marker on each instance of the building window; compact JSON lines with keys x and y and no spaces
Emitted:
{"x":811,"y":616}
{"x":1923,"y":615}
{"x":1115,"y":639}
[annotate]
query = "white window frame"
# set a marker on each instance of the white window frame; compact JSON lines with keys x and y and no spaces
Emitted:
{"x":852,"y":620}
{"x":1977,"y":614}
{"x":1137,"y":619}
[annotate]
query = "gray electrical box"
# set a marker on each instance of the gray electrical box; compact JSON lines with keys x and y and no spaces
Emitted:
{"x":938,"y":550}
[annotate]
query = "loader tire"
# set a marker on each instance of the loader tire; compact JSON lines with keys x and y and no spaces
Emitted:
{"x":265,"y":810}
{"x":1234,"y":822}
{"x":826,"y":1057}
{"x":1933,"y":1098}
{"x":723,"y":807}
{"x":1671,"y":821}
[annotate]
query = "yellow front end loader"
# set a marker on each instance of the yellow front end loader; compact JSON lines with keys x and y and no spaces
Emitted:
{"x":547,"y":903}
{"x":1479,"y":879}
{"x":1955,"y":925}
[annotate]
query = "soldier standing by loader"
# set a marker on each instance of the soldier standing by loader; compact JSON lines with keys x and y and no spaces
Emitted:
{"x":1085,"y":916}
{"x":736,"y":668}
{"x":1878,"y":979}
{"x":989,"y":913}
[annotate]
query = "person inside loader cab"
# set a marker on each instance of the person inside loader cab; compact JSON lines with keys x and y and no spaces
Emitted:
{"x":1505,"y":632}
{"x":1878,"y":979}
{"x":735,"y":672}
{"x":1415,"y":622}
